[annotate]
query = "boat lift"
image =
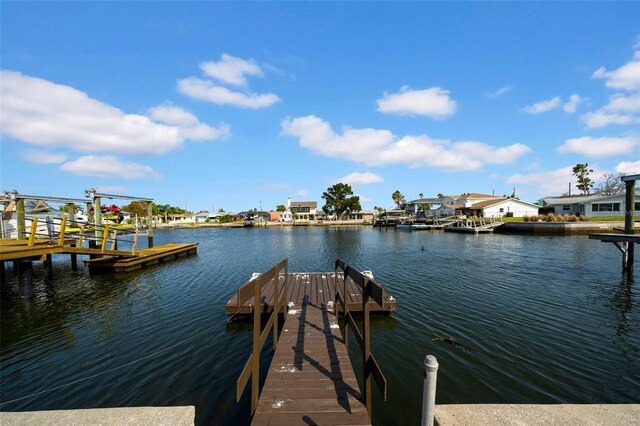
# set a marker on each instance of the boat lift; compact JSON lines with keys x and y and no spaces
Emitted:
{"x":97,"y":215}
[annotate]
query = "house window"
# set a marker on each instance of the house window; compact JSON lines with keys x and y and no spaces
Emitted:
{"x":501,"y":209}
{"x":637,"y":207}
{"x":566,"y":207}
{"x":605,"y":207}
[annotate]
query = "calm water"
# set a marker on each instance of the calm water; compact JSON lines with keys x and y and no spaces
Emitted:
{"x":543,"y":320}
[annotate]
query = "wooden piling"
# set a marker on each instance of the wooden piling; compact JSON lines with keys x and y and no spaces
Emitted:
{"x":25,"y":278}
{"x":48,"y":266}
{"x":22,"y":234}
{"x":150,"y":224}
{"x":97,"y":217}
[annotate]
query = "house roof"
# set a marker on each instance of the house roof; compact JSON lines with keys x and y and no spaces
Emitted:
{"x":312,"y":204}
{"x":489,"y":203}
{"x":476,"y":195}
{"x":580,"y":199}
{"x":425,"y":201}
{"x":451,"y":206}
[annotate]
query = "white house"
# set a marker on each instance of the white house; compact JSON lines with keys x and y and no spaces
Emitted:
{"x":456,"y":205}
{"x":592,"y":205}
{"x":509,"y":207}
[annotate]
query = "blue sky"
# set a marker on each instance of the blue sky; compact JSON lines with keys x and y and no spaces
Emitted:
{"x":241,"y":105}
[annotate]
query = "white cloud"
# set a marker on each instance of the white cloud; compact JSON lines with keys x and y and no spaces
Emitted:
{"x":357,"y":178}
{"x":107,"y":166}
{"x":543,"y":106}
{"x":275,"y":186}
{"x":601,"y":118}
{"x":572,"y":106}
{"x":43,"y":113}
{"x":552,"y":182}
{"x":232,"y":70}
{"x":379,"y":147}
{"x":187,"y":123}
{"x":627,"y":77}
{"x":628,"y":167}
{"x":112,"y":189}
{"x":43,"y":157}
{"x":600,"y":147}
{"x":501,"y":91}
{"x":205,"y":90}
{"x":302,"y":193}
{"x":620,"y":102}
{"x":434,"y":102}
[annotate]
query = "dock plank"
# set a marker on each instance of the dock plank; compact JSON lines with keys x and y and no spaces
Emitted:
{"x":310,"y":380}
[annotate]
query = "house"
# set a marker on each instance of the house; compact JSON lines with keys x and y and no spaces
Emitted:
{"x":364,"y":216}
{"x":303,"y":210}
{"x":458,"y":205}
{"x":422,"y":207}
{"x":595,"y":205}
{"x":509,"y":207}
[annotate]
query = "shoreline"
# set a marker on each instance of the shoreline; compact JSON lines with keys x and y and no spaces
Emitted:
{"x":535,"y":228}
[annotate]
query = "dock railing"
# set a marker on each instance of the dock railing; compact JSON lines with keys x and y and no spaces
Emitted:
{"x":245,"y":293}
{"x":370,"y":289}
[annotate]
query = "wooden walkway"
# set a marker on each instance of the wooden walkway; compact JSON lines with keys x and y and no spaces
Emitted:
{"x":316,"y":287}
{"x":310,"y":380}
{"x":142,"y":258}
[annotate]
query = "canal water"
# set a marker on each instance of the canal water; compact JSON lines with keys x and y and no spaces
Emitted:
{"x":539,"y":319}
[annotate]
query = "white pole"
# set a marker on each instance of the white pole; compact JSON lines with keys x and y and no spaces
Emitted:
{"x":429,"y":390}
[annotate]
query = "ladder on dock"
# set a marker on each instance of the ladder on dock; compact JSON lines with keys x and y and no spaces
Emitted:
{"x":310,"y":379}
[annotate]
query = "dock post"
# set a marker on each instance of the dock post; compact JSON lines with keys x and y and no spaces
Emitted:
{"x":22,"y":233}
{"x":48,"y":266}
{"x":3,"y":272}
{"x":429,"y":390}
{"x":97,"y":217}
{"x":630,"y":187}
{"x":74,"y":262}
{"x":150,"y":224}
{"x":25,"y":274}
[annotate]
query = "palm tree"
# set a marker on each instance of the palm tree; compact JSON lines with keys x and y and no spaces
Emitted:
{"x":421,"y":195}
{"x":398,"y":198}
{"x":581,"y":172}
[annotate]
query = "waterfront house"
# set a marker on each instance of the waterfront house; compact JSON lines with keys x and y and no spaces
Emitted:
{"x":422,"y":207}
{"x":595,"y":205}
{"x":503,"y":207}
{"x":303,"y":210}
{"x":459,"y":205}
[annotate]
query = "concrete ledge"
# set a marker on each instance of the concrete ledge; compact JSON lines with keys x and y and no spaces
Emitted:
{"x":137,"y":416}
{"x":559,"y":228}
{"x":530,"y":414}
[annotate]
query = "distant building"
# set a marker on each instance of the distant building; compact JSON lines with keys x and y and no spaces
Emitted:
{"x":596,"y":205}
{"x":303,"y":210}
{"x":459,"y":205}
{"x":422,"y":207}
{"x":509,"y":207}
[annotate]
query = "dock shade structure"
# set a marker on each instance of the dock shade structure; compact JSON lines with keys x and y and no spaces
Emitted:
{"x":625,"y":243}
{"x":97,"y":215}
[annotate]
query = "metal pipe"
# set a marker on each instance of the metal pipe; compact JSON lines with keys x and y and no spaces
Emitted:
{"x":429,"y":390}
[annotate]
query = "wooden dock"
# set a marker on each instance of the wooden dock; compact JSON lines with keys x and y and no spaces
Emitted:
{"x":310,"y":380}
{"x":141,"y":258}
{"x":316,"y":287}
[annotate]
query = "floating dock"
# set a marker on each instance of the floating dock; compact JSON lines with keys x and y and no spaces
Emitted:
{"x":311,"y":379}
{"x":141,"y":259}
{"x":315,"y":287}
